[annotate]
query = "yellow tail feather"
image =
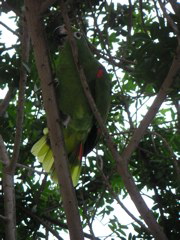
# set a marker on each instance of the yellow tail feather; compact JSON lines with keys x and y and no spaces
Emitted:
{"x":38,"y":147}
{"x":44,"y":154}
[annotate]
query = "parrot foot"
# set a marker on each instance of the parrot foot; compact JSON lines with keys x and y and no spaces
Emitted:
{"x":66,"y":122}
{"x":65,"y":119}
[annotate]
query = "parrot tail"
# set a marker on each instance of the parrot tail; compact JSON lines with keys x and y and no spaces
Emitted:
{"x":42,"y":150}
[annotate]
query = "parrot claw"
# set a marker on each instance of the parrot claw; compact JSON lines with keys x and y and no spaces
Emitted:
{"x":66,"y":122}
{"x":65,"y":119}
{"x":56,"y":80}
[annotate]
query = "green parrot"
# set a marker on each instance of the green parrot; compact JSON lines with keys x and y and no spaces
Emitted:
{"x":80,"y":128}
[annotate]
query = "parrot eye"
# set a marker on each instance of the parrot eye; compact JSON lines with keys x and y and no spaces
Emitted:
{"x":77,"y":35}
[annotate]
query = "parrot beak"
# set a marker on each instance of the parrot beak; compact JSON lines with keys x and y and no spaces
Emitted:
{"x":60,"y":34}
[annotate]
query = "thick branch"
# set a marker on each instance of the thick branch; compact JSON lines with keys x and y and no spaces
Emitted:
{"x":35,"y":26}
{"x":9,"y":168}
{"x":9,"y":196}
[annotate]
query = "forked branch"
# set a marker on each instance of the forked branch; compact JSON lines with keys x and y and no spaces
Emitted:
{"x":121,"y":166}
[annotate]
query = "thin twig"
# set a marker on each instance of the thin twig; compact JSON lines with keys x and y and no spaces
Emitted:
{"x":123,"y":63}
{"x":89,"y":217}
{"x":38,"y":193}
{"x":130,"y":19}
{"x":169,"y":20}
{"x":10,"y":6}
{"x":141,"y":15}
{"x":40,"y":220}
{"x":3,"y":218}
{"x":64,"y":226}
{"x":126,"y":107}
{"x":30,"y":169}
{"x":9,"y":29}
{"x":173,"y":156}
{"x":25,"y":43}
{"x":121,"y":204}
{"x":177,"y":106}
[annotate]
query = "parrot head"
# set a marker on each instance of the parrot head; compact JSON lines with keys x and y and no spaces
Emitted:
{"x":61,"y":36}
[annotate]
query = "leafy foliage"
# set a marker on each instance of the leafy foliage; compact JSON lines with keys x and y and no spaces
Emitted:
{"x":137,"y":45}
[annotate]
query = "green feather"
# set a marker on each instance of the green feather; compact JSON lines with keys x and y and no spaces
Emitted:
{"x":48,"y":161}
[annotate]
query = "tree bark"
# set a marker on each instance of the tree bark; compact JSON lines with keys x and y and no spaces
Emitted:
{"x":9,"y":195}
{"x":35,"y":25}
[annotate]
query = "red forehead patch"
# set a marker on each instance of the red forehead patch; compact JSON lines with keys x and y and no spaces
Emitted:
{"x":100,"y":73}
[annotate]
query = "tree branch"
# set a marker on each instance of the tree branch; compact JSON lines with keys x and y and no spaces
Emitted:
{"x":122,"y":62}
{"x":3,"y":218}
{"x":4,"y":156}
{"x":41,"y":221}
{"x":173,"y":156}
{"x":140,"y":131}
{"x":9,"y":29}
{"x":64,"y":226}
{"x":175,"y":5}
{"x":25,"y":43}
{"x":35,"y":26}
{"x":121,"y":204}
{"x":9,"y":196}
{"x":10,"y":6}
{"x":169,"y":20}
{"x":30,"y":169}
